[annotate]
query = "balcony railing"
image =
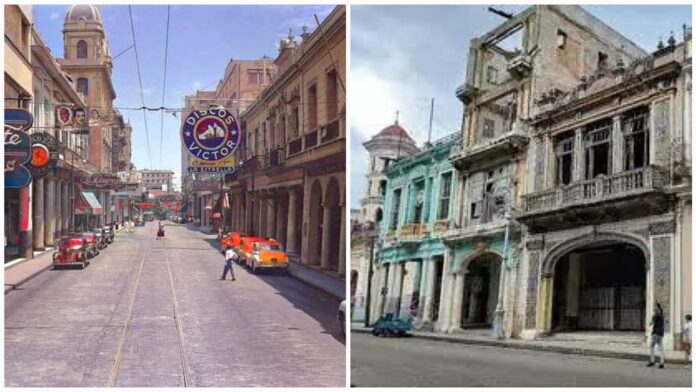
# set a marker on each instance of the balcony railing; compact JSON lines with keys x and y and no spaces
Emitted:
{"x":600,"y":188}
{"x":412,"y":232}
{"x":295,"y":146}
{"x":441,"y":226}
{"x":276,"y":157}
{"x":330,"y":132}
{"x":311,"y":140}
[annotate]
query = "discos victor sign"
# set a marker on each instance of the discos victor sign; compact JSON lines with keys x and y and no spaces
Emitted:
{"x":210,"y":135}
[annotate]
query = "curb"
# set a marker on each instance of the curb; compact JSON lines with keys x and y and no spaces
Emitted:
{"x":312,"y":283}
{"x":11,"y":287}
{"x":538,"y":347}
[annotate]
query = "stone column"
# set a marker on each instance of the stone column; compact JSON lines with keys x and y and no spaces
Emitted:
{"x":67,"y":210}
{"x":396,"y":297}
{"x":292,"y":222}
{"x":50,"y":207}
{"x":578,"y":155}
{"x":617,"y":146}
{"x":550,"y":162}
{"x":38,"y":223}
{"x":248,"y":228}
{"x":58,"y":208}
{"x":342,"y":242}
{"x":458,"y":296}
{"x":325,"y":234}
{"x":280,"y":222}
{"x":429,"y":291}
{"x":443,"y":311}
{"x":272,"y":205}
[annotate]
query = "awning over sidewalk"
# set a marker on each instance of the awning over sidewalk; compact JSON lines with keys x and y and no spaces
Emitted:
{"x":93,"y":203}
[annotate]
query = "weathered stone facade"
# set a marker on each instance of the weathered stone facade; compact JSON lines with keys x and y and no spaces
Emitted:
{"x":582,"y":139}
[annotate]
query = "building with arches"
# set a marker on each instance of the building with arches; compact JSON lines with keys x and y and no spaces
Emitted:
{"x":573,"y":183}
{"x":290,"y":182}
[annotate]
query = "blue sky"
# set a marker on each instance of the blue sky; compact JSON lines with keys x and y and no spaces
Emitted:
{"x":202,"y":39}
{"x":401,"y":56}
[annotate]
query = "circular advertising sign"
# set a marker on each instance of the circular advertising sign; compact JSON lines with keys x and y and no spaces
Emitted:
{"x":210,"y":135}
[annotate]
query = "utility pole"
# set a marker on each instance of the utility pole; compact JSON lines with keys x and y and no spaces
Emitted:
{"x":371,"y":235}
{"x":430,"y":127}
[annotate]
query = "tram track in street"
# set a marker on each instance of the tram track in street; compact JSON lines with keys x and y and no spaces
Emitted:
{"x":119,"y":359}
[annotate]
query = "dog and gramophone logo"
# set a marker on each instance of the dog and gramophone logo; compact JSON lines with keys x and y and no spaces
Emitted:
{"x":211,"y":135}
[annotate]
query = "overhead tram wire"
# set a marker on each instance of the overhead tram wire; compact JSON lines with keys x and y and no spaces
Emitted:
{"x":164,"y":84}
{"x":140,"y":81}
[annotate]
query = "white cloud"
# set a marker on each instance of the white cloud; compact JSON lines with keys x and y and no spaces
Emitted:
{"x":54,"y":16}
{"x":197,"y":85}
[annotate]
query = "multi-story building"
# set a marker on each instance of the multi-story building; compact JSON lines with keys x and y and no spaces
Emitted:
{"x":156,"y":179}
{"x":607,"y":204}
{"x":418,"y":210}
{"x":242,"y":82}
{"x":292,"y":186}
{"x":87,"y":59}
{"x":18,"y":94}
{"x":390,"y":144}
{"x":573,"y":200}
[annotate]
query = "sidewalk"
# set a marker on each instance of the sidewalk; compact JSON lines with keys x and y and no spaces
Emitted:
{"x":18,"y":274}
{"x":579,"y":347}
{"x":332,"y":285}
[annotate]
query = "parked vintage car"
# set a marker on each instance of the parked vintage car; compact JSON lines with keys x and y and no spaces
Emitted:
{"x":101,"y":238}
{"x":245,"y":250}
{"x":92,"y":241}
{"x":388,"y":325}
{"x":72,"y":251}
{"x":231,"y":240}
{"x":267,"y":254}
{"x":109,"y":232}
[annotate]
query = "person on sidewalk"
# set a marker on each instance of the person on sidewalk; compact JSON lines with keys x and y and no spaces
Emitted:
{"x":658,"y":332}
{"x":686,"y":337}
{"x":230,"y":257}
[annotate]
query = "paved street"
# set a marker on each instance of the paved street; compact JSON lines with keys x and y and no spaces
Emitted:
{"x":154,"y":313}
{"x":392,"y":362}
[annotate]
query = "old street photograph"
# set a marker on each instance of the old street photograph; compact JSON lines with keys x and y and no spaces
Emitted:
{"x":521,"y":196}
{"x":175,"y":192}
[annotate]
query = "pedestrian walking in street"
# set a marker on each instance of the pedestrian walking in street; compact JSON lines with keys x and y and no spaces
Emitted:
{"x":230,"y":257}
{"x":686,"y":337}
{"x":658,"y":332}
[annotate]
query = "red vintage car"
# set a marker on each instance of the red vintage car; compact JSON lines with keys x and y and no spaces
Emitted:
{"x":92,"y":243}
{"x":71,"y":251}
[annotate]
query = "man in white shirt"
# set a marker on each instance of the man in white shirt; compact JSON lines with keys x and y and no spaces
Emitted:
{"x":230,"y":256}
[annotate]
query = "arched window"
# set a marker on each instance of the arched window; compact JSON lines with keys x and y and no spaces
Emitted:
{"x":81,"y":49}
{"x":378,"y":215}
{"x":83,"y":85}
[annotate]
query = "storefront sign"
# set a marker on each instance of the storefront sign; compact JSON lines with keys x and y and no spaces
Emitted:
{"x":17,"y":148}
{"x":101,"y":181}
{"x":64,"y":116}
{"x":44,"y":156}
{"x":18,"y":119}
{"x":210,"y":135}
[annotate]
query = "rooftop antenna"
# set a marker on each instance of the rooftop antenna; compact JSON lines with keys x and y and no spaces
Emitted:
{"x":430,"y":127}
{"x":504,"y":14}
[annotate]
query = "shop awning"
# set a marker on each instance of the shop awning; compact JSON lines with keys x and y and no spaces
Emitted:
{"x":93,"y":202}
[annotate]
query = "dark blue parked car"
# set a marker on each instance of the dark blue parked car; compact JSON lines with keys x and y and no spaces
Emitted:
{"x":388,"y":325}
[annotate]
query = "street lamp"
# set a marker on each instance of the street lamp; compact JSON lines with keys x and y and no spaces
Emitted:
{"x":369,"y":230}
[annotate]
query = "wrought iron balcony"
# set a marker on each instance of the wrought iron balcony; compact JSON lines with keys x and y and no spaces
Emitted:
{"x":627,"y":193}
